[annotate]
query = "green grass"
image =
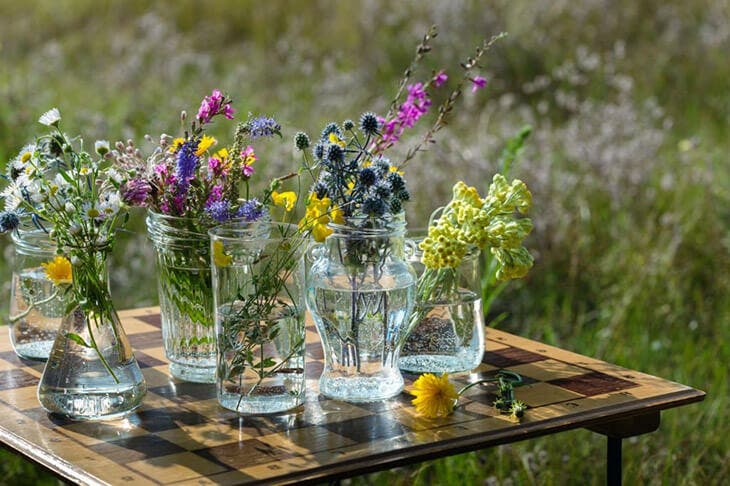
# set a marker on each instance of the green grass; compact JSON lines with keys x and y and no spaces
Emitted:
{"x":632,"y":239}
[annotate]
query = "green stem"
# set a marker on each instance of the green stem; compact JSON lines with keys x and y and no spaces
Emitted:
{"x":31,"y":306}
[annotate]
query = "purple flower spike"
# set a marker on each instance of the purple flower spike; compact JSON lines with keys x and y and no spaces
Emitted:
{"x":440,"y":79}
{"x":478,"y":83}
{"x":213,"y":105}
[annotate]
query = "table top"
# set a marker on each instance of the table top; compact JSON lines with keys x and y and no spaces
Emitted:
{"x":180,"y":435}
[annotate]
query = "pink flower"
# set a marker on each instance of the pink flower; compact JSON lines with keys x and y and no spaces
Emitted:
{"x":214,"y":105}
{"x":248,"y":171}
{"x":478,"y":83}
{"x":413,"y":108}
{"x":216,"y":168}
{"x":216,"y":194}
{"x":440,"y":79}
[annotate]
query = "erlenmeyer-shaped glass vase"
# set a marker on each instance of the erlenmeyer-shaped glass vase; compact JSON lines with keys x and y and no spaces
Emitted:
{"x":91,"y":373}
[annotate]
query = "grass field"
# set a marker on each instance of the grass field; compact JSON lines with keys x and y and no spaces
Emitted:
{"x":628,"y":165}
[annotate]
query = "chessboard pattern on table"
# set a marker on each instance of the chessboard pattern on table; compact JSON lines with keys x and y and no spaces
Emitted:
{"x":180,"y":435}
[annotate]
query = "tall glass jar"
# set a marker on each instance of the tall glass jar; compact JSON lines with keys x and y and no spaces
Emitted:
{"x":91,"y":373}
{"x":360,"y":291}
{"x":258,"y":282}
{"x":36,"y":306}
{"x":447,"y":334}
{"x":185,"y":295}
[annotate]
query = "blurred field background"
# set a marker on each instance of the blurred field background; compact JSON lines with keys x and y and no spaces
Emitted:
{"x":628,"y":165}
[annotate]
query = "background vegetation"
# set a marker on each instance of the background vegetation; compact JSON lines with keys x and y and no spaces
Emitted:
{"x":627,"y":163}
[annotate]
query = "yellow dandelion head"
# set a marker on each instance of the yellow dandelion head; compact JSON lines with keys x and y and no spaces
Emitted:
{"x":58,"y":271}
{"x":176,"y":144}
{"x":205,"y":143}
{"x":435,"y":396}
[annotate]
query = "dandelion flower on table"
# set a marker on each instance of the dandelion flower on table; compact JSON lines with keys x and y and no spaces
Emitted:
{"x":58,"y":271}
{"x":435,"y":396}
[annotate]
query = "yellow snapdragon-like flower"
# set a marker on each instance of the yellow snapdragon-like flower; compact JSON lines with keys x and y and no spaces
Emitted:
{"x":176,"y":144}
{"x":220,"y":258}
{"x":205,"y":143}
{"x":285,"y":199}
{"x":435,"y":396}
{"x":318,"y":216}
{"x":58,"y":271}
{"x":333,"y":138}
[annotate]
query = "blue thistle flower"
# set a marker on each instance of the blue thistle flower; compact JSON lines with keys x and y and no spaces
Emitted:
{"x":367,"y":177}
{"x":335,"y":153}
{"x":219,"y":211}
{"x":331,"y":128}
{"x":348,"y":125}
{"x":187,"y":163}
{"x":373,"y":207}
{"x":381,"y":167}
{"x":381,"y":190}
{"x":403,"y":195}
{"x":369,"y":123}
{"x":320,"y":189}
{"x":262,"y":126}
{"x":9,"y":221}
{"x":251,"y":210}
{"x":301,"y":140}
{"x":396,"y":206}
{"x":318,"y":151}
{"x":396,"y":182}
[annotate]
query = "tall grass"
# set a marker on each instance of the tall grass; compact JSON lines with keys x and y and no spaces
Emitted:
{"x":627,"y":163}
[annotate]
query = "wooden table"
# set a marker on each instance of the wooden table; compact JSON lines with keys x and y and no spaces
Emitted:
{"x":180,"y":435}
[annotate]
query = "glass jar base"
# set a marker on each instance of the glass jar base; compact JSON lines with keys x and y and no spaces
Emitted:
{"x":259,"y":405}
{"x":438,"y":363}
{"x":360,"y":389}
{"x":193,"y":374}
{"x":82,"y":405}
{"x":35,"y":350}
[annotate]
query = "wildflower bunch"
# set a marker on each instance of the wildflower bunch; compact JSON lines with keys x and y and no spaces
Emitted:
{"x":190,"y":177}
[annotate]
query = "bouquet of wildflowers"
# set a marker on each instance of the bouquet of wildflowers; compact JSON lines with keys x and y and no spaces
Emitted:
{"x":80,"y":200}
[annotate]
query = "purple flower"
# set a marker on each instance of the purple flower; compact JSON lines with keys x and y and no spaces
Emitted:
{"x":478,"y":83}
{"x":213,"y":105}
{"x":262,"y":126}
{"x":136,"y":191}
{"x":413,"y":108}
{"x":219,"y":211}
{"x":187,"y":163}
{"x":250,"y":210}
{"x":440,"y":79}
{"x":248,"y":171}
{"x":216,"y":194}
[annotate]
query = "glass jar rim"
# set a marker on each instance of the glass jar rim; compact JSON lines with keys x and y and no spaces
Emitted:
{"x":242,"y":230}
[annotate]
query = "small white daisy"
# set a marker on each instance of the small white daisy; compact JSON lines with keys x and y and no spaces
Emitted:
{"x":13,"y":196}
{"x":51,"y":117}
{"x":101,"y":147}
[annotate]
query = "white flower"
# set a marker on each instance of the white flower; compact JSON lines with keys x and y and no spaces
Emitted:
{"x":115,"y":175}
{"x":26,"y":153}
{"x":35,"y":191}
{"x":74,"y":228}
{"x":13,"y":196}
{"x":110,"y":204}
{"x":50,"y":118}
{"x":91,"y":211}
{"x":70,"y":209}
{"x":61,"y":182}
{"x":101,"y":147}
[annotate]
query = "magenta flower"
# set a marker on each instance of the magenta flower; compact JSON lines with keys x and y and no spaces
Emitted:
{"x":413,"y":108}
{"x":440,"y":79}
{"x":216,"y":194}
{"x":216,"y":168}
{"x":213,"y":105}
{"x":478,"y":83}
{"x":136,"y":191}
{"x":248,"y":171}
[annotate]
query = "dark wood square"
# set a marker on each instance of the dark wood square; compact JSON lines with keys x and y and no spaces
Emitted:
{"x":151,"y":319}
{"x":181,"y":391}
{"x":131,"y":449}
{"x":594,"y":383}
{"x":159,"y":419}
{"x":244,"y":454}
{"x":16,"y":378}
{"x":369,"y":428}
{"x":504,"y":358}
{"x":147,"y":361}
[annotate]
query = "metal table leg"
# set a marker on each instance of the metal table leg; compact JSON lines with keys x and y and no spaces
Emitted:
{"x":613,"y":461}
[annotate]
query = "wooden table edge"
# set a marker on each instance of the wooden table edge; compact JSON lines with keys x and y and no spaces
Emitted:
{"x":398,"y":458}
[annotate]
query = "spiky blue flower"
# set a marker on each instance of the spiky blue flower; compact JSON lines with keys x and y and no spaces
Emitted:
{"x":335,"y":153}
{"x":320,"y":189}
{"x":381,"y":167}
{"x":187,"y":163}
{"x":373,"y":207}
{"x":396,"y":206}
{"x":382,"y":190}
{"x":348,"y":125}
{"x":369,"y":123}
{"x":301,"y":140}
{"x":368,"y":177}
{"x":396,"y":182}
{"x":331,"y":128}
{"x":262,"y":126}
{"x":251,"y":210}
{"x":9,"y":221}
{"x":219,"y":211}
{"x":318,"y":151}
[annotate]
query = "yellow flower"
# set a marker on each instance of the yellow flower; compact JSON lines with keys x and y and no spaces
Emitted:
{"x":318,"y":215}
{"x":205,"y":143}
{"x":176,"y":144}
{"x":25,"y":157}
{"x":58,"y":271}
{"x":336,"y":140}
{"x":286,"y":199}
{"x":222,"y":154}
{"x":219,"y":255}
{"x":393,"y":168}
{"x":435,"y":397}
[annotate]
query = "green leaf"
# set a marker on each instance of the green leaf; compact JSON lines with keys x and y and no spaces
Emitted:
{"x":78,"y":340}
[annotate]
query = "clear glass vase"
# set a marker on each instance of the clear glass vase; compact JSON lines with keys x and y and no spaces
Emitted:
{"x":91,"y":373}
{"x":185,"y":295}
{"x":258,"y":282}
{"x":360,"y":291}
{"x":36,"y":306}
{"x":447,"y":323}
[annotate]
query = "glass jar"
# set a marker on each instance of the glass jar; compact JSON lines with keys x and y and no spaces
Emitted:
{"x":36,"y":306}
{"x":360,"y":291}
{"x":258,"y":283}
{"x":447,"y":324}
{"x":185,"y":295}
{"x":91,"y":373}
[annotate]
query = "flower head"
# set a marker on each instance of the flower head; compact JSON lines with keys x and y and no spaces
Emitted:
{"x":215,"y":104}
{"x":187,"y":163}
{"x":205,"y":143}
{"x":135,"y":192}
{"x":101,"y":147}
{"x":220,"y":258}
{"x":58,"y":270}
{"x":262,"y":126}
{"x":369,"y":123}
{"x":251,"y":210}
{"x":219,"y":211}
{"x":477,"y":83}
{"x":9,"y":221}
{"x":440,"y":79}
{"x":285,"y":199}
{"x":50,"y":118}
{"x":301,"y":141}
{"x":435,"y":396}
